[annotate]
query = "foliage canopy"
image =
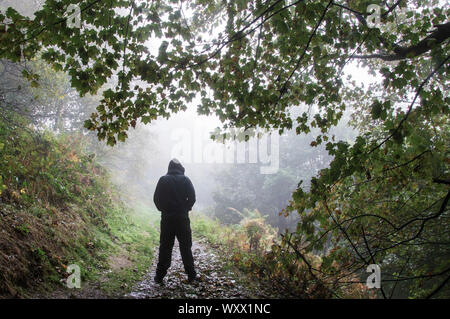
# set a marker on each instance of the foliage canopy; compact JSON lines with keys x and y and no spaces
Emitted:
{"x":255,"y":63}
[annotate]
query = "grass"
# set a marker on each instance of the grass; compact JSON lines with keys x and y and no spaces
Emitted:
{"x":58,"y":207}
{"x":228,"y":239}
{"x":111,"y":256}
{"x":133,"y":250}
{"x":231,"y":243}
{"x":210,"y":228}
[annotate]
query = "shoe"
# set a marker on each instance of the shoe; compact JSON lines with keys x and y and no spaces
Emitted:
{"x":192,"y":279}
{"x":159,"y":280}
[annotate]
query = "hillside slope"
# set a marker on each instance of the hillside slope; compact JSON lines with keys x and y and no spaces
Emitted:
{"x":57,"y":208}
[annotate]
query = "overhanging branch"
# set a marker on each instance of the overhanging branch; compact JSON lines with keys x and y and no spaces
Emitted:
{"x":438,"y":36}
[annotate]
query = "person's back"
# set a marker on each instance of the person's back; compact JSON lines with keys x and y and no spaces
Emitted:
{"x":174,"y":197}
{"x":174,"y":193}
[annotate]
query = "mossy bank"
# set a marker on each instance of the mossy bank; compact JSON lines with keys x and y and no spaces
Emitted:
{"x":59,"y":208}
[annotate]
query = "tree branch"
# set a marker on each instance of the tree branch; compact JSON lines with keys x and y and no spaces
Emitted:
{"x":437,"y":37}
{"x":297,"y":65}
{"x":419,"y":89}
{"x":438,"y":288}
{"x":441,"y":181}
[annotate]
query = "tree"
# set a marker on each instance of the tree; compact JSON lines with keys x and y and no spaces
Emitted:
{"x":242,"y":186}
{"x":251,"y":62}
{"x":35,"y":91}
{"x":130,"y":164}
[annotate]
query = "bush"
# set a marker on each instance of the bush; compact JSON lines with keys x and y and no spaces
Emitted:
{"x":58,"y":207}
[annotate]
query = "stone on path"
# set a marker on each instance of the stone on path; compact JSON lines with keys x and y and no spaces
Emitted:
{"x":215,"y":281}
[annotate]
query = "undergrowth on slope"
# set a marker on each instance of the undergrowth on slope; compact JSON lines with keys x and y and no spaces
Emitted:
{"x":58,"y":207}
{"x":253,"y":247}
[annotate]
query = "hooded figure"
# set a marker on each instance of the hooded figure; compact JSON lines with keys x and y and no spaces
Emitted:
{"x":174,"y":197}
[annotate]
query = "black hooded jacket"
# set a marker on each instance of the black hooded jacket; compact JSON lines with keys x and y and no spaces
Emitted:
{"x":174,"y":193}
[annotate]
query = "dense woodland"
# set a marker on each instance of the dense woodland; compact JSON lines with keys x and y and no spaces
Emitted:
{"x":359,"y":98}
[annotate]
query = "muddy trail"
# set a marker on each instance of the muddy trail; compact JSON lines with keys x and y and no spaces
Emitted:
{"x":216,"y":279}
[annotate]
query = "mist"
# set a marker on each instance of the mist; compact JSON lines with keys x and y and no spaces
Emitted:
{"x":314,"y":135}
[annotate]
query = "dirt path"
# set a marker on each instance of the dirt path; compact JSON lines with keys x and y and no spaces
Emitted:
{"x":216,"y":280}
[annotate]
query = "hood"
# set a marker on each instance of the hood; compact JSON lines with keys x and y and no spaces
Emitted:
{"x":175,"y":167}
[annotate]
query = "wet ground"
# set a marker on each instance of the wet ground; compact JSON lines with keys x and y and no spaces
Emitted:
{"x":215,"y":280}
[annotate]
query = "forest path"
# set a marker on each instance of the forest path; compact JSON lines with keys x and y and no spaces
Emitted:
{"x":217,"y":280}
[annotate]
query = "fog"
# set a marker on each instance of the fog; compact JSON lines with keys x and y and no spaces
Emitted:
{"x":258,"y":174}
{"x":92,"y":113}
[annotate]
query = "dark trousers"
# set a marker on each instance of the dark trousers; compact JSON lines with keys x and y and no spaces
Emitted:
{"x":171,"y":227}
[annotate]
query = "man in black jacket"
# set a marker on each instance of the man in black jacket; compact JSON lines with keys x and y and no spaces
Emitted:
{"x":174,"y":197}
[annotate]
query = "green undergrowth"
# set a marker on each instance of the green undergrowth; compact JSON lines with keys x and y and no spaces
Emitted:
{"x":263,"y":261}
{"x":137,"y":236}
{"x":209,"y":228}
{"x":252,"y":236}
{"x":239,"y":244}
{"x":236,"y":245}
{"x":58,"y":208}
